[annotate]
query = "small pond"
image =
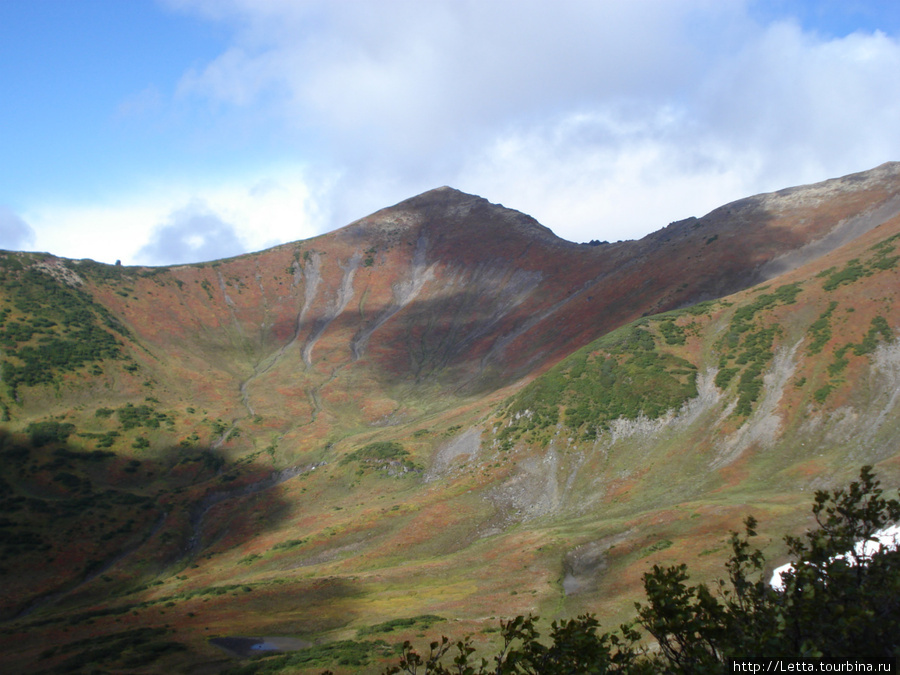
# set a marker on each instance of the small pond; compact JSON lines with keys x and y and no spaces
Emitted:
{"x":248,"y":646}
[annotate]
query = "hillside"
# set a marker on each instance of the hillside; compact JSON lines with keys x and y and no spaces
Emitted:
{"x":440,"y":411}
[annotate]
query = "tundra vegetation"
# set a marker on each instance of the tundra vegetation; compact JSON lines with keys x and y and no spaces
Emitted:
{"x":48,"y":328}
{"x":833,"y":605}
{"x":204,"y":452}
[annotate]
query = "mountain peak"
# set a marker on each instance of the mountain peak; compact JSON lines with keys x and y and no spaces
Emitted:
{"x":448,"y":208}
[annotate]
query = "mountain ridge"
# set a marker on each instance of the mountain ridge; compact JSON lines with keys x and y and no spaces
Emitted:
{"x":439,"y":409}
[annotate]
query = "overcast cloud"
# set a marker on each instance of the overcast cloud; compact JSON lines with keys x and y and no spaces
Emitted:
{"x":191,"y":234}
{"x":603,"y":119}
{"x":15,"y":233}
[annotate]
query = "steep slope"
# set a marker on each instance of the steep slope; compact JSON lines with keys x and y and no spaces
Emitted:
{"x":439,"y":409}
{"x":668,"y":431}
{"x":454,"y":290}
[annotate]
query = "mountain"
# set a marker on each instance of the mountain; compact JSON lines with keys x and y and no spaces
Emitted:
{"x":439,"y":413}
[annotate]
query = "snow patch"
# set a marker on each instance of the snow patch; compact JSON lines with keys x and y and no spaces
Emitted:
{"x":888,"y":538}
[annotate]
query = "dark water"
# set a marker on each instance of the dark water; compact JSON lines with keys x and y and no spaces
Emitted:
{"x":248,"y":646}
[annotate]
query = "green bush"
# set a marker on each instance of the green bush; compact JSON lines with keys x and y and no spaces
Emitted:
{"x":60,"y":329}
{"x":379,"y":454}
{"x":622,"y":375}
{"x":851,"y":272}
{"x":44,"y":433}
{"x":878,"y":328}
{"x":288,"y":545}
{"x":421,"y":622}
{"x":749,"y":346}
{"x":672,"y":333}
{"x":725,"y":376}
{"x":133,"y":416}
{"x":820,"y":331}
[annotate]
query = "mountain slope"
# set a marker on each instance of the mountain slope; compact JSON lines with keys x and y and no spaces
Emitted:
{"x":441,"y":409}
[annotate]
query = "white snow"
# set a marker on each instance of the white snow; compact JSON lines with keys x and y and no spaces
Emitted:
{"x":889,"y":538}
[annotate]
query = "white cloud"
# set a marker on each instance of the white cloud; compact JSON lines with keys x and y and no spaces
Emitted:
{"x":589,"y":176}
{"x":191,"y":234}
{"x":408,"y":79}
{"x":602,"y":119}
{"x":260,"y":210}
{"x":15,"y":233}
{"x":785,"y":109}
{"x":808,"y":105}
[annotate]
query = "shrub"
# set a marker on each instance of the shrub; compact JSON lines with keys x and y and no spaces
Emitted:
{"x":43,"y":433}
{"x":623,"y":374}
{"x":820,"y":331}
{"x":380,"y":453}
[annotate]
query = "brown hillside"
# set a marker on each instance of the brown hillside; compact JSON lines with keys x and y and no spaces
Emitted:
{"x":439,"y":409}
{"x":449,"y":288}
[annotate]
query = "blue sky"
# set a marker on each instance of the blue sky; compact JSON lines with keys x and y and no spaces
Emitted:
{"x":185,"y":130}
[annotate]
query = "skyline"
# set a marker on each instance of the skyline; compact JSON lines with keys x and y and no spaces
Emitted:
{"x":188,"y":130}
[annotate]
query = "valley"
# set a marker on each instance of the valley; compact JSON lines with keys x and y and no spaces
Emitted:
{"x":435,"y":417}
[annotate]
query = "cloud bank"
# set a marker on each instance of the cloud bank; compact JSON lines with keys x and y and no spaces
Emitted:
{"x":191,"y":234}
{"x":177,"y":219}
{"x":603,"y":119}
{"x":15,"y":233}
